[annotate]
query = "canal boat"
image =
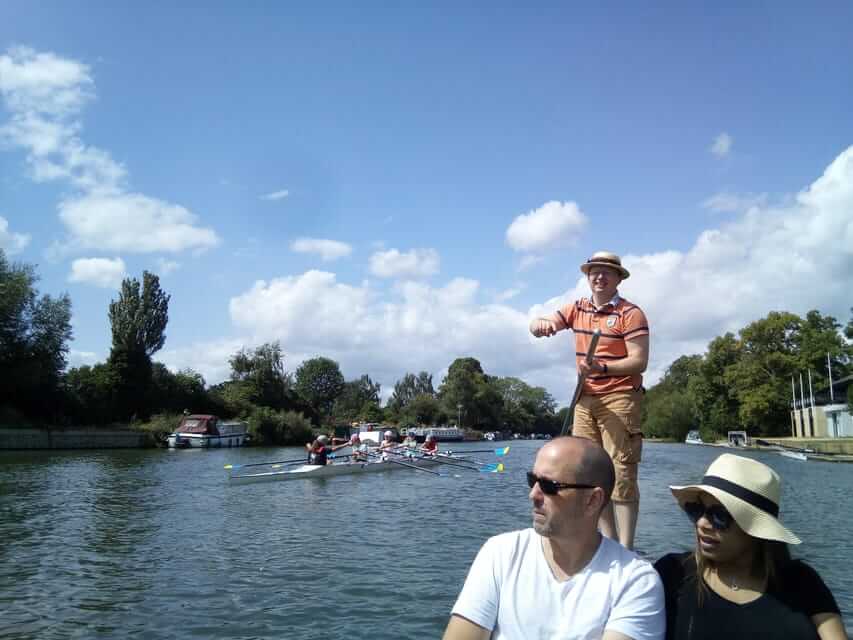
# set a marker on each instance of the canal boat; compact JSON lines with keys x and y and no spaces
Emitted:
{"x":203,"y":431}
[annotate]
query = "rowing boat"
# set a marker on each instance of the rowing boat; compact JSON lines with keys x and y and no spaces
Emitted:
{"x":313,"y":471}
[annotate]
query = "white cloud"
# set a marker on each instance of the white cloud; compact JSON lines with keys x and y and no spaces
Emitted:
{"x":528,"y":262}
{"x":276,"y":195}
{"x":132,"y":222}
{"x":10,"y":242}
{"x":45,"y":94}
{"x":79,"y":358}
{"x":328,"y":250}
{"x":551,"y":226}
{"x":101,"y":272}
{"x":794,"y":257}
{"x":722,"y":145}
{"x":508,"y":294}
{"x":725,"y":202}
{"x":165,"y":267}
{"x":417,"y":263}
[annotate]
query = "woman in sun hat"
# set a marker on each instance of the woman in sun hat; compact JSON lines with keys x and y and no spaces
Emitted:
{"x":740,"y":580}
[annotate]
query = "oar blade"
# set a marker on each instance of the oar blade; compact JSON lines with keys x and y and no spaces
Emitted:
{"x":502,"y":452}
{"x":492,"y":468}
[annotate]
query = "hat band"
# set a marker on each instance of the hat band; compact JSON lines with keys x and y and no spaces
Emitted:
{"x":755,"y":499}
{"x":615,"y":263}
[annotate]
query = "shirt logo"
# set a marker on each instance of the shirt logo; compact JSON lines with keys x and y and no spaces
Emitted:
{"x":611,"y":322}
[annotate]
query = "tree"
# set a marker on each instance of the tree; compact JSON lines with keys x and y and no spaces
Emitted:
{"x":138,"y":321}
{"x":407,"y":389}
{"x":424,"y":409}
{"x":715,"y":403}
{"x":259,"y":375}
{"x":355,"y":395}
{"x":320,"y":382}
{"x":34,"y":335}
{"x":138,"y":318}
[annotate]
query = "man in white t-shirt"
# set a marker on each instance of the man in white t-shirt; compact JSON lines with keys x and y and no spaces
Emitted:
{"x":561,"y":579}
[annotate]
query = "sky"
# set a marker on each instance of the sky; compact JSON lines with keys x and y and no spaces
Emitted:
{"x":396,"y":187}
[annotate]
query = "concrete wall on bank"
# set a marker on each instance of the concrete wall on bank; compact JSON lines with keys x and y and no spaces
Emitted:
{"x":72,"y":439}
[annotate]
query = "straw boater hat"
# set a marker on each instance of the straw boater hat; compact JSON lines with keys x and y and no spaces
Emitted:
{"x":749,"y":490}
{"x":605,"y":259}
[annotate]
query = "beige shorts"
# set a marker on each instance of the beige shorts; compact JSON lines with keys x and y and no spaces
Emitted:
{"x":613,"y":421}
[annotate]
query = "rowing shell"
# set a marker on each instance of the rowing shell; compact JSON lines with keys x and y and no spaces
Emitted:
{"x":307,"y":471}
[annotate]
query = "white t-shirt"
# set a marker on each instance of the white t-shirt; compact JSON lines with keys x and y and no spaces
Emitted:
{"x":511,"y":590}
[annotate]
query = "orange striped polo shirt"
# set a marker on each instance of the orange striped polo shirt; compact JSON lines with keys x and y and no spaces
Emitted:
{"x":618,"y":322}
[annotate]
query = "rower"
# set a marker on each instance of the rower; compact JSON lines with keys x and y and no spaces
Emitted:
{"x":410,"y":443}
{"x":359,"y":449}
{"x":318,"y":451}
{"x":387,"y":444}
{"x":430,"y":447}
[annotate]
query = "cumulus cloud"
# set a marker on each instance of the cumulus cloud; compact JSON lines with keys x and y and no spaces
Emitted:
{"x":101,"y":272}
{"x":12,"y":243}
{"x":132,"y":222}
{"x":725,"y":202}
{"x":45,"y":95}
{"x":551,"y":226}
{"x":417,"y":263}
{"x":276,"y":195}
{"x":528,"y":262}
{"x":796,"y":256}
{"x":79,"y":358}
{"x":722,"y":145}
{"x":328,"y":250}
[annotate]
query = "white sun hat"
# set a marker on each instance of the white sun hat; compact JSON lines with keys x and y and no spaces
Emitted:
{"x":749,"y":490}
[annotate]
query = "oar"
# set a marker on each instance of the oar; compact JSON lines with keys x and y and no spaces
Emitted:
{"x":570,"y":416}
{"x":498,"y":452}
{"x":405,"y":464}
{"x":303,"y":460}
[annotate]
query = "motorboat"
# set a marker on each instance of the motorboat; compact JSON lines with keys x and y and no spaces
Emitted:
{"x":203,"y":431}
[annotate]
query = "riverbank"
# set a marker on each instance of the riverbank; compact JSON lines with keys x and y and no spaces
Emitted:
{"x":23,"y":438}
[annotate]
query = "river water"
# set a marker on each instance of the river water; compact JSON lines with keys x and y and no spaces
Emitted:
{"x":157,"y":544}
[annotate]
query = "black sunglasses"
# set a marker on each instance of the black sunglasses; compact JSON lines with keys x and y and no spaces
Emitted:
{"x":716,"y":514}
{"x":551,"y":487}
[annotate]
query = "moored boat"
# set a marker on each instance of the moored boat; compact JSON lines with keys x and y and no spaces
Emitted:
{"x":203,"y":431}
{"x":796,"y":455}
{"x":693,"y":437}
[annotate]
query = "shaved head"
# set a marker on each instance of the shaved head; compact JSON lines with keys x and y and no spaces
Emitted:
{"x":582,"y":461}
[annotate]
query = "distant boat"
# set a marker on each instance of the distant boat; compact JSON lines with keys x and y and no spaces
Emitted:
{"x":206,"y":432}
{"x":693,"y":437}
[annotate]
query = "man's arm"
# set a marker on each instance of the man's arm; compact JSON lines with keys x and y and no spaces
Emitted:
{"x":634,"y":363}
{"x":460,"y":628}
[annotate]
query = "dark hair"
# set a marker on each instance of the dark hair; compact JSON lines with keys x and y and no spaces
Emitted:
{"x":769,"y":559}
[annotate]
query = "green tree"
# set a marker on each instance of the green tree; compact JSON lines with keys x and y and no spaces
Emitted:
{"x":138,"y":321}
{"x":259,"y":376}
{"x":353,"y":398}
{"x":407,"y":389}
{"x":34,"y":335}
{"x":320,"y":382}
{"x":90,"y":393}
{"x":715,"y":403}
{"x":423,"y":409}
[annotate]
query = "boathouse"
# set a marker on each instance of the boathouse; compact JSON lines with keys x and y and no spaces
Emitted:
{"x":824,"y":416}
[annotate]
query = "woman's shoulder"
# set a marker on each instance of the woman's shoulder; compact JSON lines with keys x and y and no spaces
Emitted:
{"x":675,"y":568}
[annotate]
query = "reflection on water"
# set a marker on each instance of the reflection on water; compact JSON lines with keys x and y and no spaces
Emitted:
{"x":156,"y":544}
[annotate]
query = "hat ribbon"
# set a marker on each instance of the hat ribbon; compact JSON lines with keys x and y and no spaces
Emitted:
{"x":755,"y":499}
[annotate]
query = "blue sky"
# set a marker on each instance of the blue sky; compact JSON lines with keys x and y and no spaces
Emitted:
{"x":397,"y":187}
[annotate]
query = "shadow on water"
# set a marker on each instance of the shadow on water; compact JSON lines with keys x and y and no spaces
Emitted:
{"x":157,"y":544}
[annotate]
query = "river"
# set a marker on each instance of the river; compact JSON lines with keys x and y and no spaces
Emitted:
{"x":157,"y":544}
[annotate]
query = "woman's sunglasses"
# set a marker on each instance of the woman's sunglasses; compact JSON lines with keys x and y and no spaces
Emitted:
{"x":716,"y":514}
{"x":551,"y":487}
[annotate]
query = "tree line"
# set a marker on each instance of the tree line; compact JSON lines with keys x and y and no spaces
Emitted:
{"x":743,"y":381}
{"x":281,"y":407}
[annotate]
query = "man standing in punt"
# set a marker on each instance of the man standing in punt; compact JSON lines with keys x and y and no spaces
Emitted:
{"x":561,"y":578}
{"x":610,"y":406}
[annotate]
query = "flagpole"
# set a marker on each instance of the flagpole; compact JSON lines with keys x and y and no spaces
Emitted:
{"x":829,"y":369}
{"x":794,"y":408}
{"x":803,"y":405}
